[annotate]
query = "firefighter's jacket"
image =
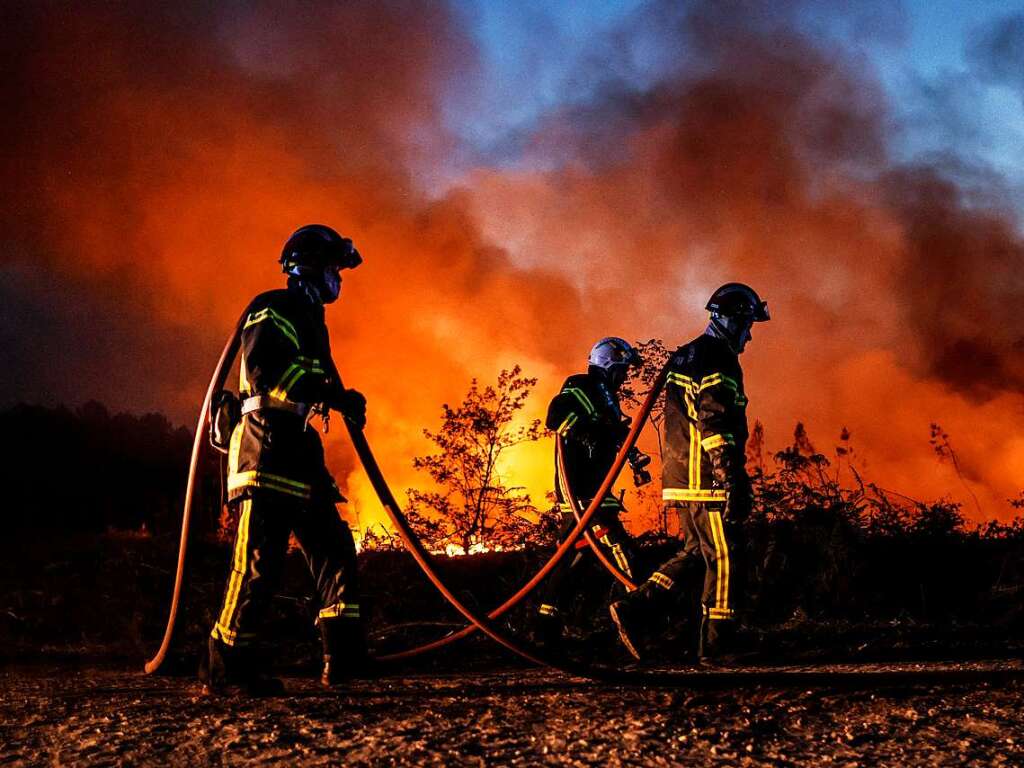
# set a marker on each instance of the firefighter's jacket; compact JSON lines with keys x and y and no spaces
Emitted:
{"x":705,"y":423}
{"x":286,"y":357}
{"x":587,"y":416}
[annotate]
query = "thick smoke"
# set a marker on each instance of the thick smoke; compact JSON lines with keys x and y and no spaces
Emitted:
{"x":766,"y":158}
{"x":160,"y":154}
{"x":997,"y":51}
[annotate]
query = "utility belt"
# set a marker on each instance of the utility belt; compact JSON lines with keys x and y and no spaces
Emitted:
{"x":227,"y":409}
{"x":268,"y":403}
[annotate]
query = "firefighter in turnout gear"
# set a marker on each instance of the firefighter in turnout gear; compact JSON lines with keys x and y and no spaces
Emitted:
{"x":277,"y":479}
{"x":704,"y":475}
{"x":586,"y":416}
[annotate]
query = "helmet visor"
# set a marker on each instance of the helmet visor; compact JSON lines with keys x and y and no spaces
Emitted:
{"x":347,"y":257}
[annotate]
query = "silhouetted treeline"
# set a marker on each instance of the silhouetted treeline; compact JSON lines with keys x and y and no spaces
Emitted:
{"x":89,"y":470}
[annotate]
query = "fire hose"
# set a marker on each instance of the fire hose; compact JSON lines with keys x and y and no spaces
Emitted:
{"x":410,"y":539}
{"x":582,"y":522}
{"x":568,"y":544}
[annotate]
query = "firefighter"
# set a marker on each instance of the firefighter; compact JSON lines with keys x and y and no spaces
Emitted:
{"x":277,"y":479}
{"x":586,"y":416}
{"x":703,"y":476}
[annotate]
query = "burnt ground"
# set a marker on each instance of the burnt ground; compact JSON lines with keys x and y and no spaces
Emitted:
{"x":78,"y":615}
{"x":953,"y":714}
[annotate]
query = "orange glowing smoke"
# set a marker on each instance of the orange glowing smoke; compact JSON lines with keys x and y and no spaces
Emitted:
{"x":161,"y":153}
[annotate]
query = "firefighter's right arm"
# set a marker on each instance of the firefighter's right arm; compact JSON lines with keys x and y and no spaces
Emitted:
{"x":350,"y":403}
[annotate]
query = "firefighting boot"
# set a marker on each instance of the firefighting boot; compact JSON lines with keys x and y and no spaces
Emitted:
{"x":212,"y":672}
{"x":633,"y":616}
{"x":718,"y":642}
{"x":549,"y":629}
{"x":231,"y":670}
{"x":345,"y":653}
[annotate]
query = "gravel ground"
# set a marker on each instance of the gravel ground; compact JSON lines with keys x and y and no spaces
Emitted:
{"x":970,"y":716}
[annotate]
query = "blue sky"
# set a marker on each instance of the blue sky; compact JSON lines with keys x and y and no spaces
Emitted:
{"x":934,"y":57}
{"x":537,"y":55}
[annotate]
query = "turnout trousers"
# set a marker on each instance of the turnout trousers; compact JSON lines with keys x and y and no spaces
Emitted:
{"x":708,"y":540}
{"x":265,"y":520}
{"x":611,"y":535}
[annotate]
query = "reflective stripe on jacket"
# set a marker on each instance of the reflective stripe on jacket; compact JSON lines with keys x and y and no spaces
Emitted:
{"x":586,"y":415}
{"x":285,"y":356}
{"x":705,"y":410}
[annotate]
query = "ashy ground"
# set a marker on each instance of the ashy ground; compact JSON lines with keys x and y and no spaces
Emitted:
{"x":941,"y":714}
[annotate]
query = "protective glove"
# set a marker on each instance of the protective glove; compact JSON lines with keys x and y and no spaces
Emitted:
{"x":737,"y":504}
{"x":352,"y":405}
{"x":621,"y":429}
{"x":731,"y":477}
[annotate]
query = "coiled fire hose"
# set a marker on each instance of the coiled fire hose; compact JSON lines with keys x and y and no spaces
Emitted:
{"x":410,"y":539}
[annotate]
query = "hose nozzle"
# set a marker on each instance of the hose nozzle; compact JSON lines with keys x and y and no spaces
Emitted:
{"x":638,"y":461}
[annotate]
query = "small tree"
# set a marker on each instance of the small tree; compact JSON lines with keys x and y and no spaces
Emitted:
{"x":473,"y":505}
{"x":634,"y":391}
{"x":641,"y":380}
{"x":944,"y":451}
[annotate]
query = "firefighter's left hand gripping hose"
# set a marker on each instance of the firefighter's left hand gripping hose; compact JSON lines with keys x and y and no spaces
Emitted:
{"x":220,"y":373}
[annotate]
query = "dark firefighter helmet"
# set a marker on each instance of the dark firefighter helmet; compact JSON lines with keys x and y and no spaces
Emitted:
{"x":316,"y":246}
{"x":736,"y":300}
{"x":612,"y":352}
